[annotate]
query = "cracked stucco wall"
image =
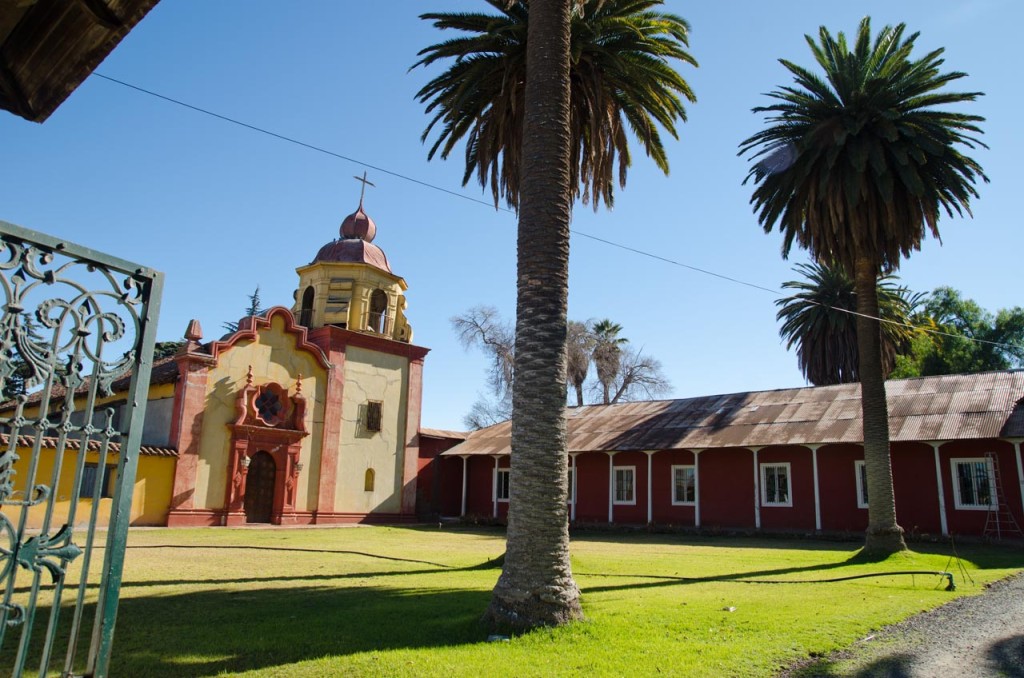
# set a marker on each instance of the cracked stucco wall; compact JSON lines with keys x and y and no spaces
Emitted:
{"x":274,"y":358}
{"x":372,"y":376}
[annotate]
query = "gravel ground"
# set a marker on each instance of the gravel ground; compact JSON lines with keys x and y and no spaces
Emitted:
{"x":974,"y":636}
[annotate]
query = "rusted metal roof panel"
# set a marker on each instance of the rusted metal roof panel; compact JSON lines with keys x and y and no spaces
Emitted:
{"x":951,"y":407}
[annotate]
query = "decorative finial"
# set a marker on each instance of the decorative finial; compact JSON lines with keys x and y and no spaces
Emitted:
{"x":298,"y":384}
{"x":248,"y":377}
{"x":194,"y":331}
{"x":362,"y":192}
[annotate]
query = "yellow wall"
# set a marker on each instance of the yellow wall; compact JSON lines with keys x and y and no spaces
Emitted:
{"x":151,"y":496}
{"x":342,"y":295}
{"x":370,"y":375}
{"x":156,"y":392}
{"x":273,"y":358}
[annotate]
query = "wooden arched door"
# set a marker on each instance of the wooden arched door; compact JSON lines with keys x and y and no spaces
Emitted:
{"x":259,"y":488}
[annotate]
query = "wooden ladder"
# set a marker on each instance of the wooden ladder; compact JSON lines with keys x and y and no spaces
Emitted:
{"x":999,"y":522}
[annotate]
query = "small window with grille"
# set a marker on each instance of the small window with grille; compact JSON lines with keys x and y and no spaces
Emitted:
{"x":87,"y":490}
{"x":374,"y":415}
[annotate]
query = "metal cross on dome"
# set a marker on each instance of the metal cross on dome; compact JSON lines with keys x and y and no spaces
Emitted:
{"x":365,"y":182}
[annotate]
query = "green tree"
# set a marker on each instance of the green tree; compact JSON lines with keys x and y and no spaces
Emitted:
{"x":254,"y":309}
{"x":540,"y":133}
{"x":621,"y":82}
{"x":857,"y":167}
{"x":960,"y":337}
{"x":820,"y":320}
{"x":18,"y":375}
{"x":607,"y":354}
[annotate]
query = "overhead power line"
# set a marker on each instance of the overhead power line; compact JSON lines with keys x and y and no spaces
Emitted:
{"x":582,"y":234}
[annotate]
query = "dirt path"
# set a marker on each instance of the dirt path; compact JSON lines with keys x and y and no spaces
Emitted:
{"x":968,"y":637}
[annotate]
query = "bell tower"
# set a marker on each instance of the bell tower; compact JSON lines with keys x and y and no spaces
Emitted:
{"x":350,"y":284}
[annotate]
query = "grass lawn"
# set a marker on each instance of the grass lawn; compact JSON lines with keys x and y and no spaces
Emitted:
{"x":406,"y":601}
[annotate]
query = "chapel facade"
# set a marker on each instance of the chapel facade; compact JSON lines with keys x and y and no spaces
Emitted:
{"x":304,"y":415}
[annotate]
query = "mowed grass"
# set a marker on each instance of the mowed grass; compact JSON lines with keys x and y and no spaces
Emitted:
{"x":407,"y":601}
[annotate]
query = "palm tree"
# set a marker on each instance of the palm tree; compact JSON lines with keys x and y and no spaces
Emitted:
{"x":536,"y":586}
{"x":621,"y":82}
{"x":541,"y":120}
{"x":820,"y":320}
{"x":856,"y":167}
{"x":579,"y":345}
{"x":607,"y":353}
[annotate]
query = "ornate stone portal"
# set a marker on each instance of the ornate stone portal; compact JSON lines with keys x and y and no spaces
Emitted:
{"x":269,"y":423}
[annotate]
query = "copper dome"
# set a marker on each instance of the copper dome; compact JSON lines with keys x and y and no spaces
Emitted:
{"x":359,"y":225}
{"x":353,"y":250}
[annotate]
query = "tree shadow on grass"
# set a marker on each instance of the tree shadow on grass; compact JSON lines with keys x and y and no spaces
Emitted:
{"x":215,"y":632}
{"x":299,"y":549}
{"x":748,"y":577}
{"x":890,"y":666}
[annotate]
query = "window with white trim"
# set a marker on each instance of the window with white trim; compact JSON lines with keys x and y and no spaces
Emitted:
{"x":684,"y":485}
{"x":973,"y":488}
{"x":625,"y":485}
{"x":861,"y":475}
{"x":775,"y":485}
{"x":501,"y":478}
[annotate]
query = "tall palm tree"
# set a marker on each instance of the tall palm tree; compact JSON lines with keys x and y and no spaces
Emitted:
{"x":607,"y":353}
{"x":579,"y":345}
{"x":856,"y":167}
{"x":820,"y":320}
{"x":543,"y":116}
{"x":621,"y":82}
{"x":536,"y":586}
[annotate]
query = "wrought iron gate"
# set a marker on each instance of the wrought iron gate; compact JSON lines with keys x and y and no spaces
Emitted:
{"x":74,"y":322}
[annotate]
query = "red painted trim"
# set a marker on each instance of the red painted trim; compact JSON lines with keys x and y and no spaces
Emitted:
{"x":413,"y":405}
{"x":187,"y":424}
{"x":332,"y":346}
{"x":353,"y":518}
{"x":195,"y":517}
{"x":248,"y":329}
{"x":341,"y":339}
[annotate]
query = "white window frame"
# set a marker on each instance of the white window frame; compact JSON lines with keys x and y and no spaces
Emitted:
{"x":615,"y":477}
{"x":675,"y":499}
{"x":498,"y":472}
{"x":789,"y":483}
{"x":861,"y":476}
{"x":957,"y":502}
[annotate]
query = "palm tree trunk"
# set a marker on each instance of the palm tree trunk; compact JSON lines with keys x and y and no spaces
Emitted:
{"x":536,"y":586}
{"x":579,"y":393}
{"x":884,"y":536}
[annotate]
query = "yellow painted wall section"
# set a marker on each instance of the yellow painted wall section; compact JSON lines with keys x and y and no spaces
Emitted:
{"x":274,"y":358}
{"x":150,"y":498}
{"x":156,"y":392}
{"x":342,"y":293}
{"x":372,"y":376}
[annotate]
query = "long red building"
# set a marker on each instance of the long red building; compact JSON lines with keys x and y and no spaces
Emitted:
{"x":785,"y":460}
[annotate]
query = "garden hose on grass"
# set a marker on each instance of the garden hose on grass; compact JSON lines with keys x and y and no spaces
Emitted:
{"x":950,"y":584}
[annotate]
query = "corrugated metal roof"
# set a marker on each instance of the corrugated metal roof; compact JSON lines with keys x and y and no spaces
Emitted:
{"x":948,"y":407}
{"x":50,"y":443}
{"x":442,"y":433}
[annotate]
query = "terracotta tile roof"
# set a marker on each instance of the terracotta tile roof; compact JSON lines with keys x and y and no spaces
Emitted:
{"x":165,"y":371}
{"x":50,"y":443}
{"x":949,"y":407}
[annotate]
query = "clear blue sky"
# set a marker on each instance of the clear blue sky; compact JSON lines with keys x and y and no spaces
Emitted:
{"x":221,"y":209}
